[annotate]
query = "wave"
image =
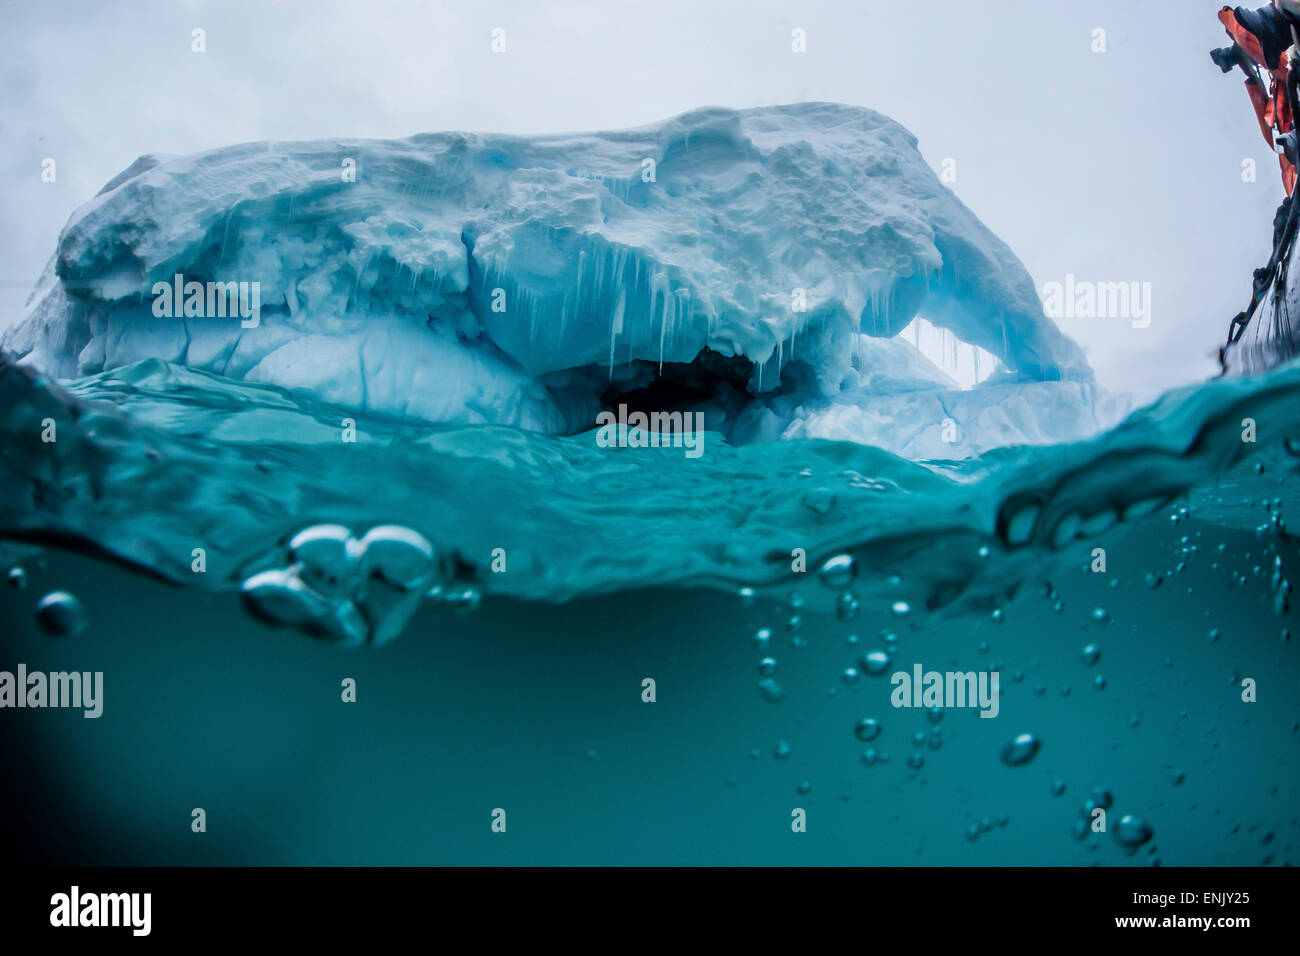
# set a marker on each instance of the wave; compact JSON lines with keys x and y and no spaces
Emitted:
{"x":154,"y":464}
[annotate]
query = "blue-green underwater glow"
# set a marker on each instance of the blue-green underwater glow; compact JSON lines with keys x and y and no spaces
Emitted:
{"x":1133,"y":684}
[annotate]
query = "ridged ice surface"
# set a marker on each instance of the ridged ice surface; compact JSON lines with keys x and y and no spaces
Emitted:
{"x":484,"y":279}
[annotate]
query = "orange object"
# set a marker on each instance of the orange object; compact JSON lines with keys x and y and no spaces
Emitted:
{"x":1243,"y":37}
{"x":1271,"y":108}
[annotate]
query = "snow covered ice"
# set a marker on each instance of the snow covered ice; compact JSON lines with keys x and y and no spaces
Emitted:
{"x":756,"y":265}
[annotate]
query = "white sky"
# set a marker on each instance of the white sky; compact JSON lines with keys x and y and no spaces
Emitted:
{"x":1115,"y":166}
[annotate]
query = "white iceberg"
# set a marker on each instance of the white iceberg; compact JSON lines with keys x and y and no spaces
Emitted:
{"x":756,"y":264}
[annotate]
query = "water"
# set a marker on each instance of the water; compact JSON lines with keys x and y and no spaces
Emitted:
{"x":524,"y":689}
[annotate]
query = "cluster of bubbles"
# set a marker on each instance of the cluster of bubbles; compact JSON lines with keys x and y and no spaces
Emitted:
{"x":838,"y":573}
{"x":1130,"y":831}
{"x":985,"y":825}
{"x":355,"y":590}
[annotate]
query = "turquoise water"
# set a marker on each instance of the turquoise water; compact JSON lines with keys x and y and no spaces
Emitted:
{"x":522,"y":689}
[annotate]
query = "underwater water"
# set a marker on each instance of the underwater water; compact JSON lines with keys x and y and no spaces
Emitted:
{"x":524,"y":587}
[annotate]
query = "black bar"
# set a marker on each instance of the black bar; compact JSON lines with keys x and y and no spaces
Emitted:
{"x":332,"y":905}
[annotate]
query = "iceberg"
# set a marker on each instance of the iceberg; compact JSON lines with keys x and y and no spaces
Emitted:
{"x":754,"y":265}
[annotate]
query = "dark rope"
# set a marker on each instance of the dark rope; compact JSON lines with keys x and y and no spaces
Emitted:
{"x":1275,"y":272}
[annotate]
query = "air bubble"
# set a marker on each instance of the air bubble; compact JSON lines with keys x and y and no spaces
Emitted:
{"x":875,"y":663}
{"x":1020,"y":750}
{"x":1133,"y":831}
{"x":837,"y":573}
{"x":868,"y":729}
{"x":60,"y":614}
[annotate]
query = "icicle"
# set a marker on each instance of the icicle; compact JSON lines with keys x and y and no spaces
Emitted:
{"x":615,"y":327}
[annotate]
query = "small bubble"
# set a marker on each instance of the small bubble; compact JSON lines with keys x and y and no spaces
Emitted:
{"x":847,"y":607}
{"x":1100,"y":615}
{"x":850,"y":676}
{"x":875,"y":663}
{"x":17,"y":578}
{"x":805,"y":787}
{"x":870,"y":757}
{"x":868,"y":729}
{"x":1099,"y":682}
{"x":1091,"y":654}
{"x":781,"y":751}
{"x":464,"y":600}
{"x":935,"y":714}
{"x":1020,"y":750}
{"x":1101,"y":799}
{"x":762,"y":636}
{"x":746,"y":594}
{"x":771,"y":691}
{"x":767,"y":666}
{"x":1133,"y":831}
{"x":837,"y":573}
{"x":901,"y":608}
{"x":60,"y":614}
{"x":915,"y":762}
{"x":1058,"y":788}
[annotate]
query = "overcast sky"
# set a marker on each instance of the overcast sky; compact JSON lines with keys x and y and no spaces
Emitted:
{"x":1124,"y":165}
